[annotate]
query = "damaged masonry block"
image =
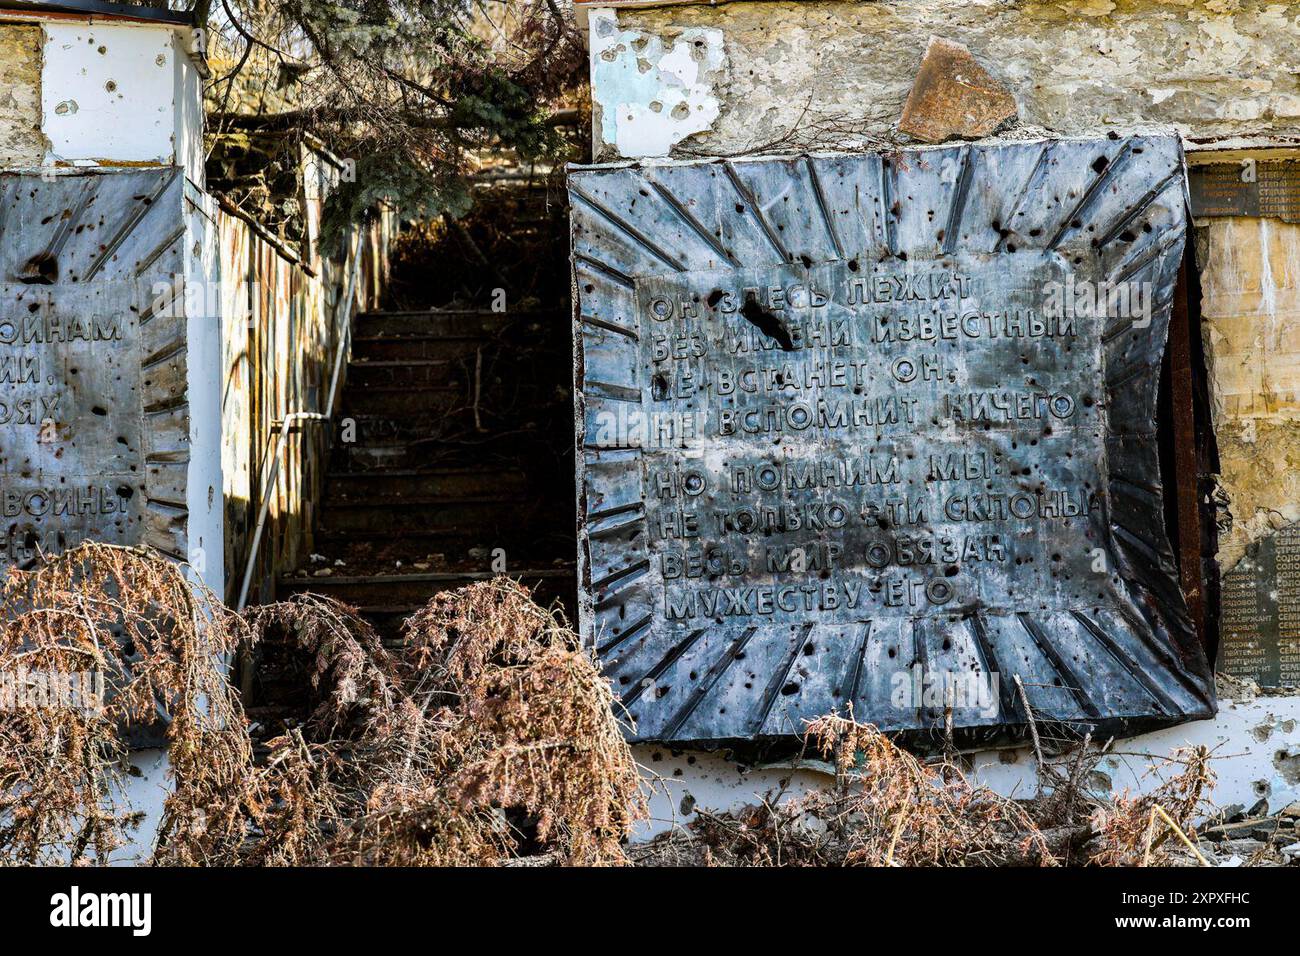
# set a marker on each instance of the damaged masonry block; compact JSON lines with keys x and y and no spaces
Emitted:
{"x":954,"y":97}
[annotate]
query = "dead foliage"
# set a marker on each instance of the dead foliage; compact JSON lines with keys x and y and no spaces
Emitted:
{"x":538,"y":729}
{"x":514,"y":238}
{"x":887,"y":808}
{"x":1156,"y":826}
{"x":128,"y":621}
{"x":488,"y":737}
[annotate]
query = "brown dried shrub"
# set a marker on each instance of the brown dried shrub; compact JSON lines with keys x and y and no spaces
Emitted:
{"x":909,"y":814}
{"x":535,"y":725}
{"x":356,"y":684}
{"x":156,"y":640}
{"x":885,"y":809}
{"x":1129,"y":831}
{"x":492,"y":735}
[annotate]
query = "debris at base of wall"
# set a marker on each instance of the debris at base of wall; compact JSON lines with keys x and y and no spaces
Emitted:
{"x":954,"y":97}
{"x":1237,"y":837}
{"x":886,"y":808}
{"x":1235,"y":689}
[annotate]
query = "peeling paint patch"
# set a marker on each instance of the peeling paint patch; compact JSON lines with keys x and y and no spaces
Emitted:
{"x":1264,"y":729}
{"x":108,"y":93}
{"x":652,"y":92}
{"x":1287,"y":762}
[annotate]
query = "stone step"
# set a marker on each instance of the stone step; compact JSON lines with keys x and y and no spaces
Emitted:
{"x":409,"y":484}
{"x":502,"y":450}
{"x":394,"y":593}
{"x":453,"y":325}
{"x":492,"y":518}
{"x":396,"y":401}
{"x":401,"y":429}
{"x":492,"y":386}
{"x":393,"y":392}
{"x":366,"y":348}
{"x":411,"y":542}
{"x":406,"y":372}
{"x":391,"y":554}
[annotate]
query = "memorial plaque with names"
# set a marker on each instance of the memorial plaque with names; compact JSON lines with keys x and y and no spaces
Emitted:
{"x":1259,"y":624}
{"x":1251,"y":187}
{"x":878,"y":432}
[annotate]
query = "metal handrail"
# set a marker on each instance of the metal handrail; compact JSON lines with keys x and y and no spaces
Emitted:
{"x":345,"y":340}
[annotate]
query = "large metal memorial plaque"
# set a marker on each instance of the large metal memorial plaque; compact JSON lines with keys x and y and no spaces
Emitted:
{"x":879,"y":432}
{"x":94,"y":432}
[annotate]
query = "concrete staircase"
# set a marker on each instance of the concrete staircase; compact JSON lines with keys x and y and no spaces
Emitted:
{"x":452,"y":448}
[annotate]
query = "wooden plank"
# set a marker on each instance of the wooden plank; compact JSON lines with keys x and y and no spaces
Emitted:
{"x":1186,"y":475}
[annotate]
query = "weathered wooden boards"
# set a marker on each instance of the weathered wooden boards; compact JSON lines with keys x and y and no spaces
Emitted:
{"x":101,"y":276}
{"x":94,"y":425}
{"x":282,"y":330}
{"x":879,"y":431}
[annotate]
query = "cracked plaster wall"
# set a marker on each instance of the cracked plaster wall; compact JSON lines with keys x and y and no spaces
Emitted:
{"x":769,"y":76}
{"x":21,"y":140}
{"x":1250,"y":312}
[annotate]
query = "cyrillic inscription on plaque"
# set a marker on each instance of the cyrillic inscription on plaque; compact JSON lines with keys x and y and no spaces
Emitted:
{"x":874,"y":445}
{"x":1259,"y":622}
{"x":94,"y":428}
{"x":878,"y":432}
{"x":67,"y":374}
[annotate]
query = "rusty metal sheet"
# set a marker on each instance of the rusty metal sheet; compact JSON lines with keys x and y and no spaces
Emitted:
{"x":94,"y":431}
{"x":852,"y":433}
{"x":1259,"y":624}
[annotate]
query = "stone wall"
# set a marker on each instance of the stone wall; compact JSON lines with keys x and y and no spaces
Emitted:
{"x":1250,"y":306}
{"x":774,"y":76}
{"x":21,"y":140}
